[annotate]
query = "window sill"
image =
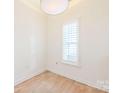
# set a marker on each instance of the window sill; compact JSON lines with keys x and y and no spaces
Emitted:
{"x":70,"y":63}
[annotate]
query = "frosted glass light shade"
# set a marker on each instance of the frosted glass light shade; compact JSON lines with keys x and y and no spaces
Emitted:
{"x":54,"y":6}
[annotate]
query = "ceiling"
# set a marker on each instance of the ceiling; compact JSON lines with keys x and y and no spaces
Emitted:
{"x":36,"y":3}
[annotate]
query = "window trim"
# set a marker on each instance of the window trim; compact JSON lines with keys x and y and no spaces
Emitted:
{"x":67,"y":62}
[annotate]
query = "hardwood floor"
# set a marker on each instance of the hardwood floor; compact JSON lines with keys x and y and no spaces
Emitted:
{"x":48,"y":82}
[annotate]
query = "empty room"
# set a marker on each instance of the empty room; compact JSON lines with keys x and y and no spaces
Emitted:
{"x":61,"y":46}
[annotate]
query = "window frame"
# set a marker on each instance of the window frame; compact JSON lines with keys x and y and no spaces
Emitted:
{"x":73,"y":63}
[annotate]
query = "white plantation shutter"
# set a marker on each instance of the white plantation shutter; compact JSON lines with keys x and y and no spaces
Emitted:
{"x":70,"y":42}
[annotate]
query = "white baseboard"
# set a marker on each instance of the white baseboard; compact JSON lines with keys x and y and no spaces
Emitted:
{"x":83,"y":82}
{"x":22,"y":79}
{"x":94,"y":85}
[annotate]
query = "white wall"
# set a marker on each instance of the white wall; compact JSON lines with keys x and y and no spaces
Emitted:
{"x":30,"y":42}
{"x":94,"y":42}
{"x":38,"y":40}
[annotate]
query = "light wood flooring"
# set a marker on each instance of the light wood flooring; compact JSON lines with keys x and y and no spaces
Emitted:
{"x":48,"y":82}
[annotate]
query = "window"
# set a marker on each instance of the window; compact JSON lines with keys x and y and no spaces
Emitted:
{"x":70,"y":43}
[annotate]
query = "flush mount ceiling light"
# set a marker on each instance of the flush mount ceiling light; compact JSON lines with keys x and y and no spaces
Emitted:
{"x":54,"y":7}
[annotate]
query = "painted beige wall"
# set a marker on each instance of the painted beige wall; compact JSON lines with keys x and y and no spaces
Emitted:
{"x":94,"y":42}
{"x":30,"y":42}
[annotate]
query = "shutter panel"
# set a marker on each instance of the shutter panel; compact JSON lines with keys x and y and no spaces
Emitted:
{"x":70,"y":42}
